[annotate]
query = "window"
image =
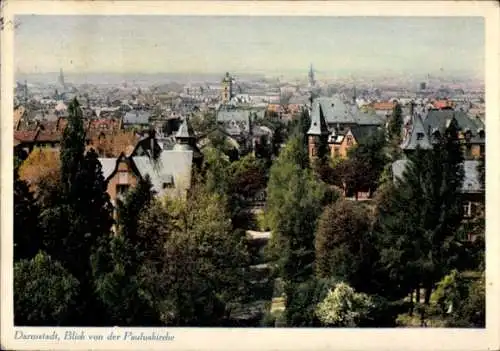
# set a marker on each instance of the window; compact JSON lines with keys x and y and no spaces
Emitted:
{"x":468,"y":150}
{"x":166,"y":185}
{"x":123,"y":177}
{"x":467,"y":209}
{"x":121,"y":189}
{"x":420,"y":136}
{"x":349,"y":140}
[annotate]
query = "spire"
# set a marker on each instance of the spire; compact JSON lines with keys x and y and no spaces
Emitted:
{"x":318,"y":122}
{"x":311,"y":76}
{"x":61,"y":78}
{"x":185,"y":132}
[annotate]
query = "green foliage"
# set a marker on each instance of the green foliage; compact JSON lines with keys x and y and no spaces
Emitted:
{"x":217,"y":176}
{"x":44,"y":292}
{"x":416,"y":244}
{"x":72,"y":146}
{"x":129,"y":210}
{"x":302,"y":300}
{"x":395,"y":123}
{"x":27,"y":238}
{"x":294,"y":202}
{"x":459,"y":301}
{"x":119,"y":286}
{"x":366,"y":163}
{"x":344,"y":307}
{"x":343,"y":248}
{"x":201,"y":269}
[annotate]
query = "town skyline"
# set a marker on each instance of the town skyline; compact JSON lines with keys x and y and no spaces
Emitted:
{"x":451,"y":46}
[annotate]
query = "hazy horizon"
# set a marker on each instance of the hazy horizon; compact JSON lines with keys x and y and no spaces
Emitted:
{"x":250,"y":45}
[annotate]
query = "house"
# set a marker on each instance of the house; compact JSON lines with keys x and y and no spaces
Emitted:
{"x":471,"y":130}
{"x":340,"y":115}
{"x":170,"y":171}
{"x":473,"y":193}
{"x":342,"y":131}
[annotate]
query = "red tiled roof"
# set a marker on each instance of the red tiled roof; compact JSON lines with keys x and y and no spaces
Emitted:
{"x":49,"y":136}
{"x":25,"y":135}
{"x":439,"y":104}
{"x":385,"y":105}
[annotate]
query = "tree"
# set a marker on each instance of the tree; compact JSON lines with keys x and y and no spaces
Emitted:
{"x":42,"y":171}
{"x":118,"y":262}
{"x":395,"y":122}
{"x":217,"y":173}
{"x":305,"y":297}
{"x":201,"y":269}
{"x":417,"y":224}
{"x":72,"y":146}
{"x":119,"y":285}
{"x":44,"y":292}
{"x":459,"y":300}
{"x":81,"y":217}
{"x":344,"y":307}
{"x":247,"y":177}
{"x":365,"y":164}
{"x":343,"y":244}
{"x":27,"y":238}
{"x":294,"y":202}
{"x":133,"y":205}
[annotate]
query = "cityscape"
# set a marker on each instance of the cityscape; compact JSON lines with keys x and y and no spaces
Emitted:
{"x":249,"y":172}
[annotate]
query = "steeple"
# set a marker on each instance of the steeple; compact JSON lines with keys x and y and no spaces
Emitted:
{"x":312,"y":82}
{"x":185,"y":135}
{"x":61,"y":79}
{"x":318,"y":122}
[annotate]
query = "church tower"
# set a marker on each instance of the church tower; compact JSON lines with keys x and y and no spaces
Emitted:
{"x":312,"y":82}
{"x":60,"y":80}
{"x":317,"y":135}
{"x":227,"y":88}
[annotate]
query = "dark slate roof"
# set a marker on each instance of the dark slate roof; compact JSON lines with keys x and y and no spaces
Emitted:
{"x":415,"y":131}
{"x":437,"y":119}
{"x":362,"y":132}
{"x":471,"y":182}
{"x":137,"y":117}
{"x":337,"y":111}
{"x":318,"y":123}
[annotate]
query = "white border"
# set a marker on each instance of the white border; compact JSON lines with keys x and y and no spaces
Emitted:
{"x":251,"y":339}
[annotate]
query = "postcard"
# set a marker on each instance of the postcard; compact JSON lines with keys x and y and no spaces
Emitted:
{"x":249,"y":175}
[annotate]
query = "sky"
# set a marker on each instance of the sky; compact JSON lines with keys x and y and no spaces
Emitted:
{"x":249,"y":44}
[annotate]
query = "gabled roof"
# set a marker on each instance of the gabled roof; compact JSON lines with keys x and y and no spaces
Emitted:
{"x":361,"y":132}
{"x":172,"y":167}
{"x":336,"y":110}
{"x":437,"y":119}
{"x":185,"y":130}
{"x":417,"y":135}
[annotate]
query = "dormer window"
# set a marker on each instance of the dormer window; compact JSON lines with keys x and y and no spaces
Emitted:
{"x":481,"y":133}
{"x":349,"y":140}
